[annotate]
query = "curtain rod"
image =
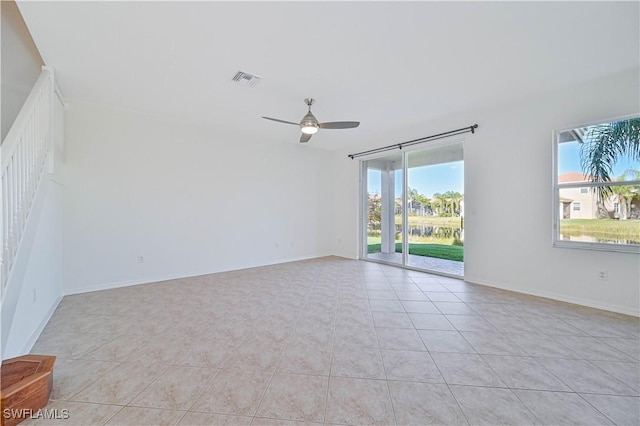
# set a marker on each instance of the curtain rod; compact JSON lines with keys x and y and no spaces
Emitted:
{"x":470,"y":129}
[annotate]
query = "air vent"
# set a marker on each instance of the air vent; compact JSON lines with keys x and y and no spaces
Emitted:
{"x":246,"y":79}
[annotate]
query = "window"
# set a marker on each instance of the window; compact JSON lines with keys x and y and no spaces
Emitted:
{"x":597,"y":186}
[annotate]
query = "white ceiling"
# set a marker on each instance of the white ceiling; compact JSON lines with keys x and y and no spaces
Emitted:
{"x":387,"y":64}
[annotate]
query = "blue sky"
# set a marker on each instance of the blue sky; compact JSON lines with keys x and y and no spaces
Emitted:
{"x":569,"y":160}
{"x":427,"y":180}
{"x":450,"y":176}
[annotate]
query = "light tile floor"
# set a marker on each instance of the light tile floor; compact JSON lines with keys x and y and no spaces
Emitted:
{"x":336,"y":341}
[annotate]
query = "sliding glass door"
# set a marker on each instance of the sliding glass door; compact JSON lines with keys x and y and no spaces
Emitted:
{"x":413,"y":205}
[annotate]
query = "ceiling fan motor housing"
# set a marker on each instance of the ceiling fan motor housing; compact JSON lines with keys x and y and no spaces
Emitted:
{"x":309,"y":123}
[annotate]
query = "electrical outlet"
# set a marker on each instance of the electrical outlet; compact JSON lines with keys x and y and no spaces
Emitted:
{"x":35,"y":295}
{"x":140,"y":259}
{"x":603,"y":275}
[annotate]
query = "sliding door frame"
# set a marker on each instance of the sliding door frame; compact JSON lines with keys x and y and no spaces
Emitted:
{"x":364,"y":211}
{"x":363,"y":214}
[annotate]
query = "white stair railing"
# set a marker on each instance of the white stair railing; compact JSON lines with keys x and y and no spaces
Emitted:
{"x":24,"y":154}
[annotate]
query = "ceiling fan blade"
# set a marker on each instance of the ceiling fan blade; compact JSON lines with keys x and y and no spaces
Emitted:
{"x":339,"y":125}
{"x":281,"y":121}
{"x":305,"y":138}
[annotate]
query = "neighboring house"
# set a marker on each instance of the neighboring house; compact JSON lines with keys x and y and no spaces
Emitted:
{"x":582,"y":202}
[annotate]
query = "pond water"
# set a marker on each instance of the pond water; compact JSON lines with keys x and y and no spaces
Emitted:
{"x":590,"y":239}
{"x":443,"y":232}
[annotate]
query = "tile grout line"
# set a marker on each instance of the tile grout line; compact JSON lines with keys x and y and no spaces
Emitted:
{"x":248,"y":296}
{"x":447,"y":385}
{"x":384,"y":368}
{"x":596,"y":408}
{"x":282,"y":351}
{"x":69,"y":398}
{"x":510,"y":389}
{"x":332,"y":344}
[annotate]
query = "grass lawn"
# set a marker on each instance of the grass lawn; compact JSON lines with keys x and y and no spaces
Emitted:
{"x":440,"y":251}
{"x":602,"y":228}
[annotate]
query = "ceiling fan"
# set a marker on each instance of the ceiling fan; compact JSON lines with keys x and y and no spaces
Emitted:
{"x":310,"y":125}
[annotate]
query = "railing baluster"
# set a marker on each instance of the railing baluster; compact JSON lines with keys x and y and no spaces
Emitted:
{"x":30,"y":156}
{"x":7,"y":217}
{"x":24,"y":156}
{"x":12,"y":205}
{"x":22,"y":176}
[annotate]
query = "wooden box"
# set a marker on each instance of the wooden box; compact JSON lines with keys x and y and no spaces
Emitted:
{"x":27,"y":382}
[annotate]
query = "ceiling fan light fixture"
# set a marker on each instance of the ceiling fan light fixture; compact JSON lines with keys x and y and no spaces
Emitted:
{"x":309,"y":125}
{"x":309,"y":128}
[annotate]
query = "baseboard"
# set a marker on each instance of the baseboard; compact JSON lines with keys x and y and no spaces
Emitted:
{"x":28,"y":345}
{"x":159,"y":278}
{"x":347,"y":254}
{"x":558,"y":297}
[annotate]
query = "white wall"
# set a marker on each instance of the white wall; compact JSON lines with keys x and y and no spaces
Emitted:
{"x":189,"y":200}
{"x":508,"y":163}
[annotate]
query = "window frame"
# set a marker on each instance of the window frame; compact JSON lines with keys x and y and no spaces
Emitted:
{"x":555,"y":202}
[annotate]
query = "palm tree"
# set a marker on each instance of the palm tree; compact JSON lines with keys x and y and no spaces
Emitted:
{"x":412,"y":194}
{"x":452,"y":201}
{"x":604,"y":145}
{"x":447,"y":201}
{"x":439,"y":202}
{"x":455,"y":198}
{"x":424,"y":201}
{"x":624,"y":194}
{"x":435,"y":202}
